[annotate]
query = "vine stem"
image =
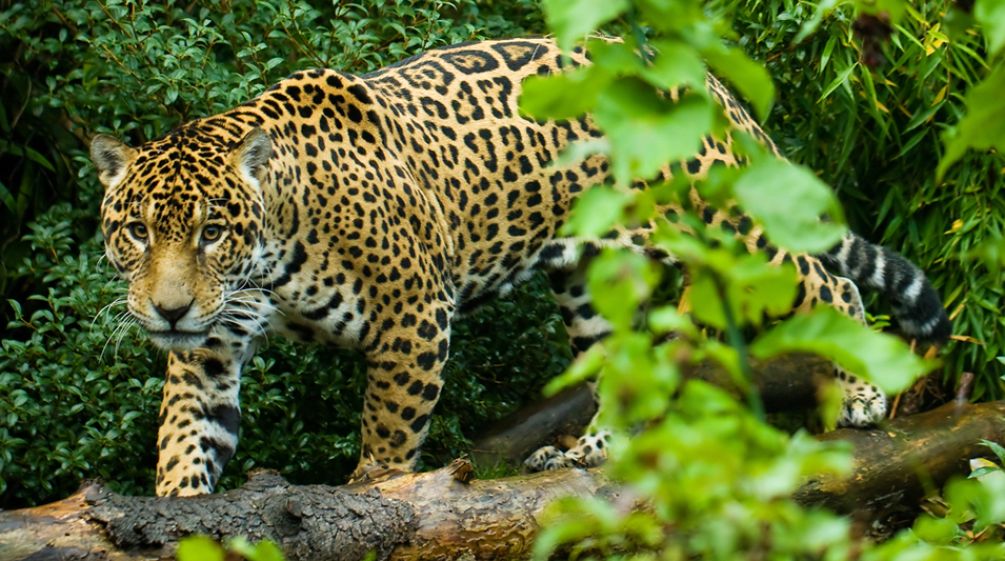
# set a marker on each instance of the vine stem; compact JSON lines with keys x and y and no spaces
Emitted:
{"x":736,"y":340}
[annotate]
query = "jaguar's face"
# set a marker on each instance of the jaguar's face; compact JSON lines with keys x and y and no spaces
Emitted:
{"x":182,"y":219}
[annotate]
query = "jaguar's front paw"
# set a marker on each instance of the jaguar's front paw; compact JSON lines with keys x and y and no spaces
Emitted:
{"x":863,"y":409}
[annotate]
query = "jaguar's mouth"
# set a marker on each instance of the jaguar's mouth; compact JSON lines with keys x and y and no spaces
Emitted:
{"x":176,"y":340}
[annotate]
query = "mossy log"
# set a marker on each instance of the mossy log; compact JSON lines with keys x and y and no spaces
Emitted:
{"x":443,"y":514}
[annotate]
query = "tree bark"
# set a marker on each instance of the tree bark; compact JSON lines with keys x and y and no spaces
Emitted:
{"x":443,"y":514}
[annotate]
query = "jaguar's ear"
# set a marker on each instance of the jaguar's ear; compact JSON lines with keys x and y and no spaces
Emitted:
{"x":111,"y":157}
{"x":253,"y":152}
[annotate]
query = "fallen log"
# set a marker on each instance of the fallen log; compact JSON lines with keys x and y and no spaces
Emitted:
{"x":901,"y":461}
{"x":443,"y":514}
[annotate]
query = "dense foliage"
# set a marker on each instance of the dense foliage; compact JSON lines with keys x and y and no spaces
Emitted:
{"x":715,"y":478}
{"x":78,"y":397}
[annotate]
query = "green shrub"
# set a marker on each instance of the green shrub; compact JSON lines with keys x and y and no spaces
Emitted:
{"x":715,"y":481}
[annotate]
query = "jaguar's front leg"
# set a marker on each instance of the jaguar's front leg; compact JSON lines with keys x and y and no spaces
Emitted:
{"x":403,"y":386}
{"x":199,"y":419}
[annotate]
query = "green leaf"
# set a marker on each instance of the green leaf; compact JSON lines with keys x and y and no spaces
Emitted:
{"x":583,"y":368}
{"x":563,"y":96}
{"x":264,"y":550}
{"x":580,"y":150}
{"x":749,"y":77}
{"x":810,"y":25}
{"x":647,"y":132}
{"x":38,"y":158}
{"x":596,"y":212}
{"x":881,"y":359}
{"x":619,"y":281}
{"x":935,"y":530}
{"x":753,"y":289}
{"x":790,"y":203}
{"x":7,"y":198}
{"x":996,"y":448}
{"x":676,"y":64}
{"x":991,"y":15}
{"x":983,"y":127}
{"x":666,"y":319}
{"x":840,"y":80}
{"x":572,"y":20}
{"x":199,"y":548}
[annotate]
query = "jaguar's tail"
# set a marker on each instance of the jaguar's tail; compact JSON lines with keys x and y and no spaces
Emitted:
{"x":917,"y":308}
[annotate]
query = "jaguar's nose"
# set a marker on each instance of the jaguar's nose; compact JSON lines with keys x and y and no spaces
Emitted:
{"x":172,"y":315}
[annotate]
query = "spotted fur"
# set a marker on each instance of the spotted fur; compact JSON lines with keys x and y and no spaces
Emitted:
{"x":368,"y":211}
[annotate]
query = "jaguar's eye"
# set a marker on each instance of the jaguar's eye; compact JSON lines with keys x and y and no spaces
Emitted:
{"x":138,"y":230}
{"x":211,"y":233}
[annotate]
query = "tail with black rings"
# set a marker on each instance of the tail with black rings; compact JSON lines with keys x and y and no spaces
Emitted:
{"x":917,"y":307}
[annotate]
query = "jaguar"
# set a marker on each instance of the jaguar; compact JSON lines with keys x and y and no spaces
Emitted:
{"x":369,"y":211}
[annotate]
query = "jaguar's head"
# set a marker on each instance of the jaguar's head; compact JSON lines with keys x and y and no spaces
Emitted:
{"x":183,"y":223}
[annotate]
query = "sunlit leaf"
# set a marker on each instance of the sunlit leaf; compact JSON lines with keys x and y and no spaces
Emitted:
{"x":991,"y":15}
{"x":562,"y":96}
{"x":747,"y":76}
{"x":983,"y":127}
{"x":596,"y":211}
{"x":791,"y":203}
{"x":881,"y":359}
{"x":199,"y":548}
{"x":676,"y":64}
{"x":619,"y":281}
{"x":647,"y":132}
{"x":572,"y":20}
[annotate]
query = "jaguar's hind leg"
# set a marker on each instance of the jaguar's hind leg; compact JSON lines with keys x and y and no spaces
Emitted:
{"x":585,"y":327}
{"x":863,"y":404}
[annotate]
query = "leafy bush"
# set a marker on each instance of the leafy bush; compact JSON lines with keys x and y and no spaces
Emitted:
{"x":716,"y":481}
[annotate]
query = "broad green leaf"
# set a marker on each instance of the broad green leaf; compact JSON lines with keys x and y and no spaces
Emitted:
{"x":580,"y":150}
{"x":666,"y":319}
{"x":199,"y":548}
{"x":619,"y":282}
{"x":881,"y":359}
{"x":596,"y":211}
{"x":584,"y":367}
{"x":264,"y":550}
{"x":753,"y":289}
{"x":893,"y":10}
{"x":936,"y":530}
{"x":991,"y":15}
{"x":647,"y":132}
{"x":676,"y":64}
{"x":563,"y":96}
{"x":790,"y":203}
{"x":983,"y":127}
{"x":572,"y":20}
{"x":747,"y":76}
{"x":37,"y":157}
{"x":761,"y":289}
